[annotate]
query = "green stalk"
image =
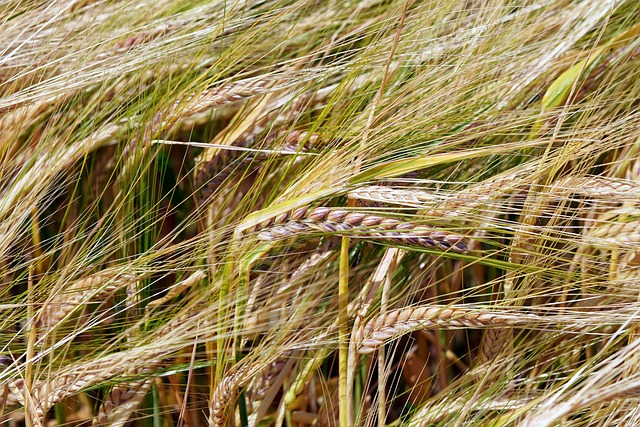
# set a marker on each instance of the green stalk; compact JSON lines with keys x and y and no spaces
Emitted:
{"x":343,"y":331}
{"x":31,"y":339}
{"x":157,"y":418}
{"x":242,"y":406}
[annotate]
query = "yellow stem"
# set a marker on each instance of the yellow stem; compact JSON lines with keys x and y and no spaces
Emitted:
{"x":343,"y":332}
{"x":28,"y":374}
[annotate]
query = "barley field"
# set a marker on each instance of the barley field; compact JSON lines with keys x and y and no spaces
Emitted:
{"x":319,"y":213}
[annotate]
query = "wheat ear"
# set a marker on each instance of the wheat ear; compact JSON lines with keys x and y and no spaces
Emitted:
{"x":547,"y":416}
{"x":617,"y":233}
{"x":212,"y":173}
{"x":494,"y":341}
{"x":433,"y":414}
{"x":358,"y":225}
{"x":121,"y":402}
{"x":82,"y":375}
{"x":216,"y":97}
{"x":224,"y":397}
{"x":226,"y":391}
{"x":125,"y":398}
{"x":478,"y":194}
{"x":261,"y":383}
{"x":93,"y":288}
{"x":11,"y":392}
{"x":448,"y":205}
{"x":395,"y":323}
